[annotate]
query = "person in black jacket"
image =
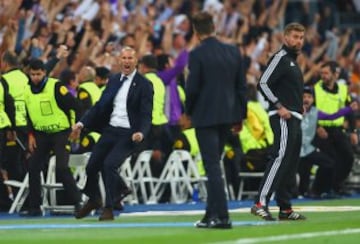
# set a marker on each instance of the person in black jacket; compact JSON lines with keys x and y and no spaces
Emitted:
{"x":216,"y":104}
{"x":282,"y":85}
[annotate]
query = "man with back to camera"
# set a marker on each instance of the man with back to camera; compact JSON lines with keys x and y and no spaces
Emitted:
{"x":216,"y":103}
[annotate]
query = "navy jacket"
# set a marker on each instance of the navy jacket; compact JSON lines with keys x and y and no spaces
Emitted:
{"x":216,"y":86}
{"x":139,"y":105}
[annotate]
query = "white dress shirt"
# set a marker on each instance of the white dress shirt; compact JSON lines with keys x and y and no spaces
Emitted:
{"x":119,"y":116}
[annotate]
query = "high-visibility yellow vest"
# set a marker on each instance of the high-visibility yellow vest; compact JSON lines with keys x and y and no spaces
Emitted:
{"x":102,"y":88}
{"x":194,"y":149}
{"x":17,"y":82}
{"x":4,"y":118}
{"x":256,"y":132}
{"x":330,"y":103}
{"x":182,"y":94}
{"x":44,"y":112}
{"x":85,"y":140}
{"x":158,"y":113}
{"x":93,"y":90}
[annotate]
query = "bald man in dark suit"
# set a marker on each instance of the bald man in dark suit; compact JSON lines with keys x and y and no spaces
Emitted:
{"x":123,"y":115}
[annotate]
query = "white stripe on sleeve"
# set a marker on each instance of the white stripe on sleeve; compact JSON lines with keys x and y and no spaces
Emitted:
{"x":264,"y":78}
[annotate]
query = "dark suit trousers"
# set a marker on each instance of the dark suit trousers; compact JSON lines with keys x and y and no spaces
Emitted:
{"x":113,"y":147}
{"x":324,"y":174}
{"x":338,"y":147}
{"x":211,"y":142}
{"x":58,"y":142}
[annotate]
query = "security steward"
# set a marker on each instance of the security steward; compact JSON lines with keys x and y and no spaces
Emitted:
{"x":187,"y":141}
{"x":88,"y":94}
{"x":16,"y":81}
{"x":7,"y":120}
{"x":156,"y":141}
{"x":102,"y":76}
{"x":48,"y":104}
{"x":331,"y":138}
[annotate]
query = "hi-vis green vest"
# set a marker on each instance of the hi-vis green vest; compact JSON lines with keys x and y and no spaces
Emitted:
{"x":44,"y":112}
{"x":17,"y":82}
{"x":158,"y":113}
{"x":4,"y":118}
{"x":93,"y":90}
{"x":102,"y":88}
{"x":256,"y":132}
{"x":182,"y":94}
{"x":194,"y":149}
{"x":330,"y":103}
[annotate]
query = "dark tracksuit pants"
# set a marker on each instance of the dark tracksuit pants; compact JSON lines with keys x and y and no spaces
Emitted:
{"x":58,"y":143}
{"x":281,"y":170}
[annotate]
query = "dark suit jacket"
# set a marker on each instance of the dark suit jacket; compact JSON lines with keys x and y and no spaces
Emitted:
{"x":139,"y":105}
{"x":216,"y":86}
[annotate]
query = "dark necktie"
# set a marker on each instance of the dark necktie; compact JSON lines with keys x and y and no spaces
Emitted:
{"x":119,"y":84}
{"x":123,"y":78}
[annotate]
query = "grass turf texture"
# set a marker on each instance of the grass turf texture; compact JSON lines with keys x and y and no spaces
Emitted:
{"x":127,"y":229}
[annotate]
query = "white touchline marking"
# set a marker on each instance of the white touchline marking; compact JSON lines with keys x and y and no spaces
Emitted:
{"x":296,"y":236}
{"x":247,"y":210}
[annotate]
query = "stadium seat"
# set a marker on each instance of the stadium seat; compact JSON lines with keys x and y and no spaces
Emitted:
{"x":142,"y":176}
{"x":77,"y":164}
{"x":126,"y":172}
{"x":22,"y":193}
{"x":243,"y":176}
{"x":178,"y":176}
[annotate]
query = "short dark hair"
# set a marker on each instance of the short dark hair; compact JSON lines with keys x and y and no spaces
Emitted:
{"x":36,"y":64}
{"x":162,"y":60}
{"x":10,"y":58}
{"x":203,"y":23}
{"x":251,"y":92}
{"x":102,"y":72}
{"x":309,"y":90}
{"x":334,"y":66}
{"x":67,"y":75}
{"x":149,"y":61}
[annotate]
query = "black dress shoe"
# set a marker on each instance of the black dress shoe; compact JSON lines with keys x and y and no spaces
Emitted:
{"x":119,"y":206}
{"x":220,"y":223}
{"x":203,"y":223}
{"x":77,"y":207}
{"x":31,"y":213}
{"x":87,"y":208}
{"x":106,"y":215}
{"x":124,"y":193}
